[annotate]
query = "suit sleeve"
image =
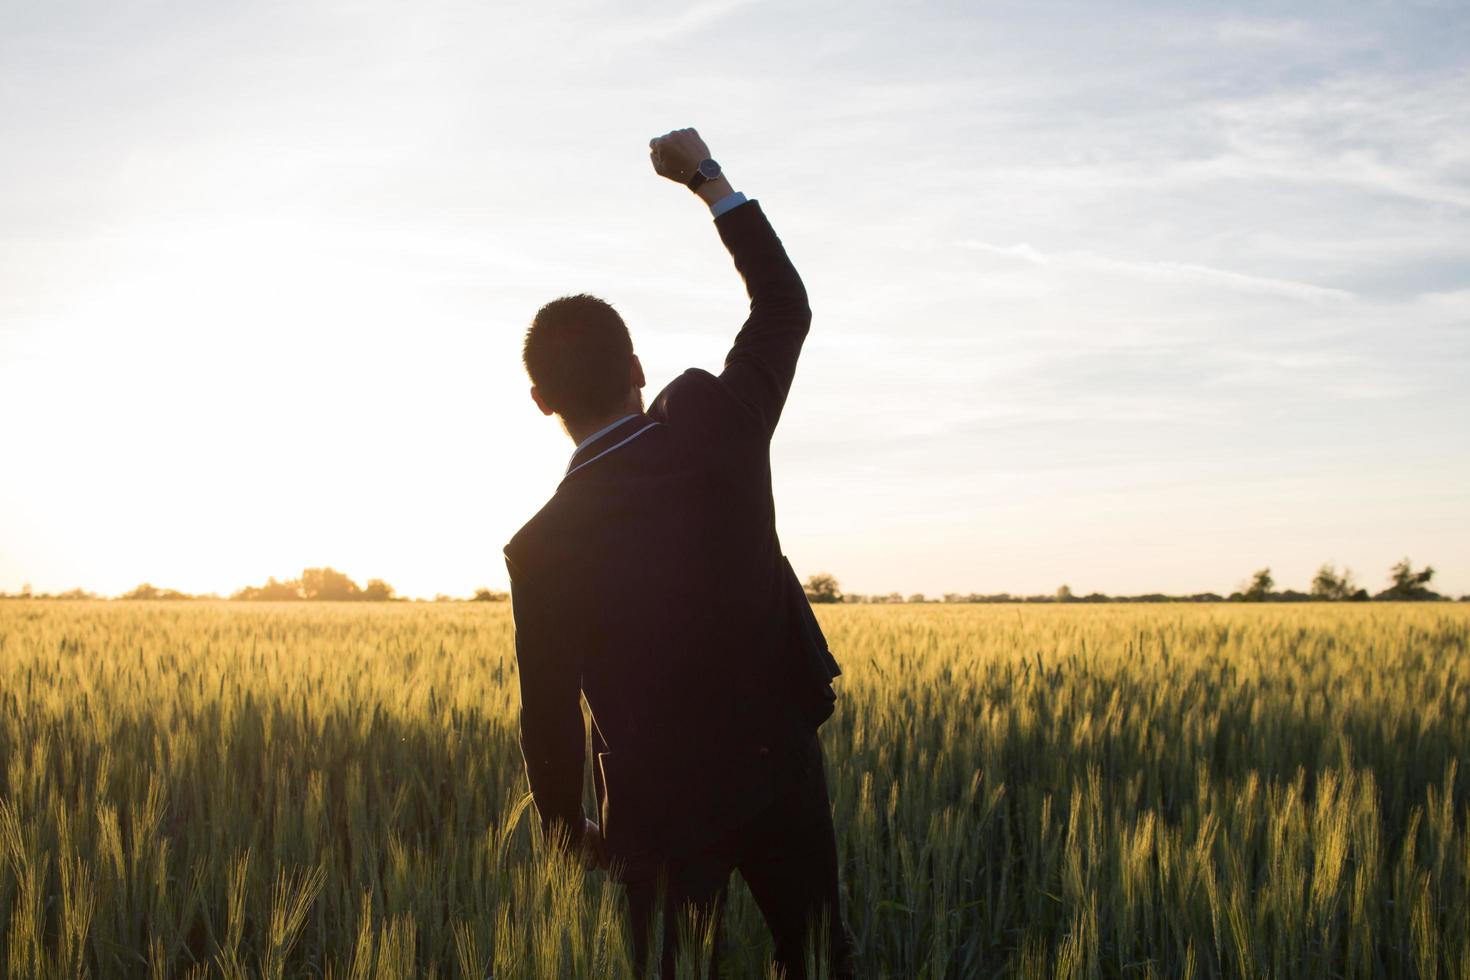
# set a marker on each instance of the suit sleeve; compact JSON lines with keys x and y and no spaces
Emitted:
{"x":760,"y":367}
{"x":552,"y":733}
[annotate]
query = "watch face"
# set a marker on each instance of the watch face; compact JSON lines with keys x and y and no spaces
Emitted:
{"x":709,"y":169}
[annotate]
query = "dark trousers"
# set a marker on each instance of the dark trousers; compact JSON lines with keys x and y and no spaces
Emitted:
{"x":787,"y":856}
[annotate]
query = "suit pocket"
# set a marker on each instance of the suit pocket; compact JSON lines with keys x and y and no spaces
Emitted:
{"x":634,"y":806}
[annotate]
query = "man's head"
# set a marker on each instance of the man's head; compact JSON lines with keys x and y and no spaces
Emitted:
{"x":581,"y":362}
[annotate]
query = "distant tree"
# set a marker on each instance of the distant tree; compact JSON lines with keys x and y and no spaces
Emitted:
{"x":317,"y":584}
{"x":328,"y":585}
{"x":1064,"y":593}
{"x":77,"y":593}
{"x":377,"y":590}
{"x":1334,"y":585}
{"x":1405,"y":579}
{"x":490,"y":595}
{"x":1407,"y":583}
{"x":1260,"y":588}
{"x":823,"y":587}
{"x":289,"y":589}
{"x":917,"y":597}
{"x":146,"y":591}
{"x":271,"y":591}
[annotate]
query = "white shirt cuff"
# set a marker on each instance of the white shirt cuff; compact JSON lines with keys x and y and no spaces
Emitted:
{"x":727,"y":203}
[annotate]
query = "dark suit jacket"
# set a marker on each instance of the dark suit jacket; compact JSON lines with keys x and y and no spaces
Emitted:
{"x":653,"y":583}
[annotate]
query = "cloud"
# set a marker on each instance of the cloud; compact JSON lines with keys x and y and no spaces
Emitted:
{"x":1253,"y":32}
{"x":1223,"y":278}
{"x":663,"y":26}
{"x":1022,"y":251}
{"x":1183,"y":272}
{"x":1382,"y":133}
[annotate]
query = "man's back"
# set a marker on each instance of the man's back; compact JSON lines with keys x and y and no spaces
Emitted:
{"x":653,"y":581}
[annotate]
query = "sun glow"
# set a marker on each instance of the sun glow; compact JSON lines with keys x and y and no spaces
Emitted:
{"x":264,"y":399}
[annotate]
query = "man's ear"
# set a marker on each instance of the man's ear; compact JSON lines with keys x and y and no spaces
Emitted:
{"x":635,"y":375}
{"x":541,"y":402}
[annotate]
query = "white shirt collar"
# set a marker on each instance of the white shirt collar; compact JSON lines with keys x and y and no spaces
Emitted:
{"x":573,"y":466}
{"x":603,"y":431}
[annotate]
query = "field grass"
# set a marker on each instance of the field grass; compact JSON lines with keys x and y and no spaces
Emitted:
{"x":214,"y":789}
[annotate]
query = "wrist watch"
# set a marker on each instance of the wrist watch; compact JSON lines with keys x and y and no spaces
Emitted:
{"x":707,"y":170}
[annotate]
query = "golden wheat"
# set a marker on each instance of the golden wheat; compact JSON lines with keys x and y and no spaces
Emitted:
{"x":230,"y":790}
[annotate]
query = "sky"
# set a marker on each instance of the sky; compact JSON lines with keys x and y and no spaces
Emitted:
{"x":1132,"y":296}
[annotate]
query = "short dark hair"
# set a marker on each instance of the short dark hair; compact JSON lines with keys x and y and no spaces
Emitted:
{"x":577,"y":353}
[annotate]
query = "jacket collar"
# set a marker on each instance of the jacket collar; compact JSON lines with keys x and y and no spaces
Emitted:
{"x":608,"y":438}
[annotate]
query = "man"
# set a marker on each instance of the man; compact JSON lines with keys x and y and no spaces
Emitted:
{"x":653,"y":584}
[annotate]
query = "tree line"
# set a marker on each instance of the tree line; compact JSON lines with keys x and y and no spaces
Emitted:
{"x":324,"y":584}
{"x":1329,"y":585}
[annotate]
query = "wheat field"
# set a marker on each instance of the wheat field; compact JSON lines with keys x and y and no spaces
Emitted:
{"x":320,"y":790}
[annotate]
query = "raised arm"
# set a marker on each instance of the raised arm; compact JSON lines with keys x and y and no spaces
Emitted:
{"x":762,"y":363}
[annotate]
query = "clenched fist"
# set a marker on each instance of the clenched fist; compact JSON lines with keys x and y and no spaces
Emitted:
{"x":676,"y":155}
